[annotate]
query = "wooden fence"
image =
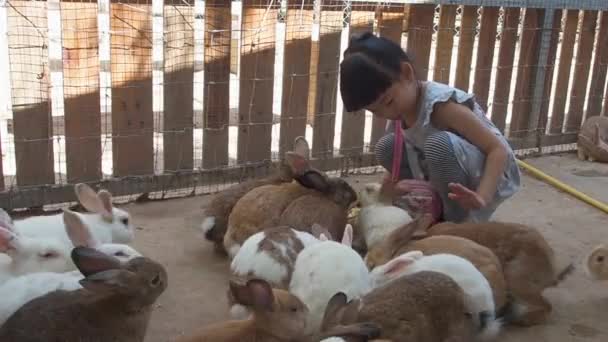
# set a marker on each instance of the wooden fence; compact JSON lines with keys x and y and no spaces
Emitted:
{"x":149,"y":87}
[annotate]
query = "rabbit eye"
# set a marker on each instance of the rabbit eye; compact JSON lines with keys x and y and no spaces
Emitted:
{"x":155,"y":281}
{"x":120,"y":254}
{"x":47,"y":255}
{"x":294,"y":309}
{"x":600,"y":259}
{"x":125,"y":221}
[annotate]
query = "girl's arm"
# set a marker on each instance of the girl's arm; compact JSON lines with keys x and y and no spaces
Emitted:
{"x":459,"y":118}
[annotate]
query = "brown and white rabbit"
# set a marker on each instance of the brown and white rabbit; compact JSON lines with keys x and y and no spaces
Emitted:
{"x":215,"y":216}
{"x":114,"y":304}
{"x":277,"y":316}
{"x":595,"y":263}
{"x":528,"y":263}
{"x":314,"y":198}
{"x":425,"y":306}
{"x":400,"y":242}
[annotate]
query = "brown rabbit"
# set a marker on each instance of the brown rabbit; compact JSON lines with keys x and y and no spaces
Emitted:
{"x":527,"y":260}
{"x":400,"y":242}
{"x":277,"y":316}
{"x":592,"y":140}
{"x":596,"y":263}
{"x":313,"y":199}
{"x":215,"y":221}
{"x":114,"y":304}
{"x":425,"y":306}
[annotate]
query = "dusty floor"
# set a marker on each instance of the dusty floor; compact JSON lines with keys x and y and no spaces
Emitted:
{"x":196,"y":292}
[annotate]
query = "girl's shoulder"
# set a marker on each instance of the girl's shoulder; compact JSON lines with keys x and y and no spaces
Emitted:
{"x":438,"y":93}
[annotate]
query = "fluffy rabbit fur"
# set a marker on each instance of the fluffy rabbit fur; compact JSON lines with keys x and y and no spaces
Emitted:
{"x":325,"y":268}
{"x":17,"y":291}
{"x":400,"y":242}
{"x":425,"y":306}
{"x":107,"y":223}
{"x":478,"y":294}
{"x":314,"y":198}
{"x":277,"y":316}
{"x":269,"y":255}
{"x":114,"y":304}
{"x":594,"y":263}
{"x":378,"y":217}
{"x":215,"y":216}
{"x":527,"y":260}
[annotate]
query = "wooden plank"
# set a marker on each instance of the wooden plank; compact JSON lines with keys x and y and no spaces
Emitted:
{"x":256,"y":80}
{"x":581,"y":72}
{"x":528,"y":63}
{"x":81,"y":91}
{"x":551,"y":60}
{"x":30,"y":77}
{"x":178,"y":83}
{"x":296,"y":68}
{"x":600,"y":66}
{"x":504,"y":69}
{"x":327,"y":84}
{"x":563,"y":73}
{"x":131,"y":65}
{"x":485,"y":55}
{"x":216,"y":104}
{"x":445,"y":43}
{"x":466,"y":42}
{"x":420,"y":33}
{"x":353,"y":123}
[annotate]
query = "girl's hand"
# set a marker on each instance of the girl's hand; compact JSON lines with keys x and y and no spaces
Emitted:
{"x":467,"y":198}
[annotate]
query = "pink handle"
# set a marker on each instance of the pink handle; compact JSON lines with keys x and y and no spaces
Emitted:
{"x":397,"y":150}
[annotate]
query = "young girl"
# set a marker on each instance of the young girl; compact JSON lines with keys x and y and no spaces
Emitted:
{"x":448,"y":139}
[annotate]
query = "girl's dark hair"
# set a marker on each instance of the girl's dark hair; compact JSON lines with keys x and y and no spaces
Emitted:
{"x":371,"y":64}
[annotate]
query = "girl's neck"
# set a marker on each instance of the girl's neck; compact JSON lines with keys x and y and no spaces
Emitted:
{"x":409,"y":118}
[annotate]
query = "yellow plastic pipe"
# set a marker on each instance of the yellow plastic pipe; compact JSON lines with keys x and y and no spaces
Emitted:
{"x":564,"y":187}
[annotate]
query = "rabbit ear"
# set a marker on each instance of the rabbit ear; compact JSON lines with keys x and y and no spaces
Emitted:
{"x":257,"y":293}
{"x":8,"y":240}
{"x":90,"y":261}
{"x":114,"y":280}
{"x":106,"y":200}
{"x":313,"y":179}
{"x":298,"y":163}
{"x":91,"y":201}
{"x":79,"y":234}
{"x":301,"y":147}
{"x":333,"y":311}
{"x":355,"y":332}
{"x":322,"y":237}
{"x":397,"y":265}
{"x":5,"y":220}
{"x":317,"y":230}
{"x":347,"y":238}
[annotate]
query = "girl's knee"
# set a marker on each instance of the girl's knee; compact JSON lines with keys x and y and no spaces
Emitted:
{"x":438,"y":148}
{"x":384,"y":150}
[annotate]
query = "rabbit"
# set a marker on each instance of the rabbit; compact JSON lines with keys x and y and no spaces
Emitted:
{"x":107,"y":223}
{"x":324,"y":269}
{"x":400,"y":241}
{"x":425,"y":306}
{"x":478,"y":294}
{"x":592,"y":140}
{"x":269,"y":255}
{"x":50,"y":254}
{"x":528,"y":263}
{"x":378,"y":217}
{"x":313,"y":198}
{"x":594,"y":263}
{"x":215,"y":215}
{"x":114,"y":304}
{"x":277,"y":316}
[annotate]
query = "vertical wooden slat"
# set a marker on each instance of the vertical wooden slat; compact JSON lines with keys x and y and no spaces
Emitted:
{"x":581,"y":72}
{"x":314,"y":63}
{"x":528,"y":63}
{"x":28,"y":55}
{"x":216,"y":102}
{"x":5,"y":82}
{"x":466,"y":42}
{"x":420,"y":32}
{"x":81,"y":91}
{"x":353,"y":123}
{"x":506,"y":55}
{"x":551,"y":59}
{"x":445,"y":43}
{"x":563,"y":73}
{"x":600,"y":66}
{"x":485,"y":55}
{"x":178,"y":85}
{"x":256,"y":80}
{"x":132,"y":112}
{"x":296,"y":68}
{"x":327,"y":85}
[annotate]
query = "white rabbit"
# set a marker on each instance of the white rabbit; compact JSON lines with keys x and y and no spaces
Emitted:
{"x":17,"y":291}
{"x":325,"y":268}
{"x":30,"y":254}
{"x":269,"y":255}
{"x":107,"y":223}
{"x":478,"y":293}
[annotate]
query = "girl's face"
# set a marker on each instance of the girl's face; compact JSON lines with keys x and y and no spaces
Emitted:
{"x":399,"y":99}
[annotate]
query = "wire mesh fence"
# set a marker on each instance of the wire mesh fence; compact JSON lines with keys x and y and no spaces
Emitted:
{"x":170,"y":98}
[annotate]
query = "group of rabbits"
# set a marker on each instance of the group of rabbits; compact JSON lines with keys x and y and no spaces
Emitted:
{"x":296,"y":274}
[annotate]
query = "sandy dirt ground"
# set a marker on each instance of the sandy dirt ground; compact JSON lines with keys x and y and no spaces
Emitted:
{"x":169,"y":232}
